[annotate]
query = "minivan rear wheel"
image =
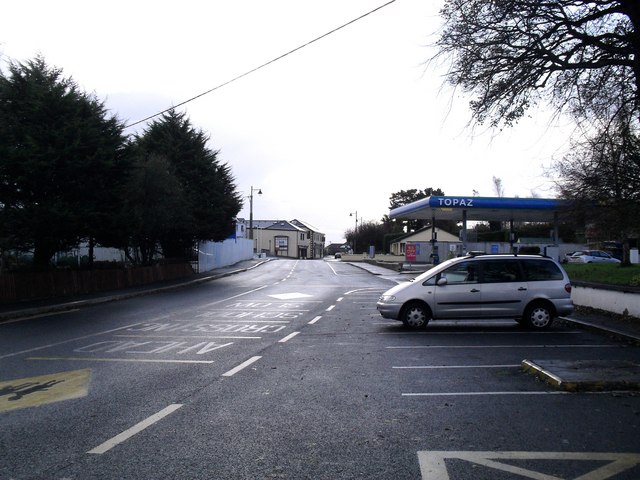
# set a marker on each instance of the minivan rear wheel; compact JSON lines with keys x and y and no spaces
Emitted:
{"x":416,"y":315}
{"x":538,"y":315}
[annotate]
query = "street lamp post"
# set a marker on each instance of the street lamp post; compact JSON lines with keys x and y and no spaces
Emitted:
{"x":259,"y":191}
{"x":355,"y":232}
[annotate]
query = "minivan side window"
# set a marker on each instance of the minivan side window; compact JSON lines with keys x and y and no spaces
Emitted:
{"x":541,"y":270}
{"x":500,"y":271}
{"x":463,"y":272}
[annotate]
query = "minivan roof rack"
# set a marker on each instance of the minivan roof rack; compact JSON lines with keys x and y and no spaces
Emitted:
{"x":478,"y":253}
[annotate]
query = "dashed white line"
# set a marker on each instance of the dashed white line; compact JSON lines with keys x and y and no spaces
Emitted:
{"x":288,"y":337}
{"x":109,"y":444}
{"x":242,"y":366}
{"x":330,"y":308}
{"x":315,"y":320}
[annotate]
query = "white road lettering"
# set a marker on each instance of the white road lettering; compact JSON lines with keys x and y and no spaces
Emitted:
{"x":65,"y":341}
{"x":151,"y":347}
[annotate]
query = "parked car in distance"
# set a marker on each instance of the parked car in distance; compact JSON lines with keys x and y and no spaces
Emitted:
{"x":566,"y":257}
{"x":531,"y":289}
{"x":592,"y":256}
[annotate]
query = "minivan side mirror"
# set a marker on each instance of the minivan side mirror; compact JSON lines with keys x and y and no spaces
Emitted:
{"x":442,"y":281}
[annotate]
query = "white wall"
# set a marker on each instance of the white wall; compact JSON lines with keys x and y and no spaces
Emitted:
{"x":212,"y":255}
{"x":608,"y":300}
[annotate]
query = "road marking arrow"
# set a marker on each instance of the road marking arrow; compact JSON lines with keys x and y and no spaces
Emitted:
{"x":433,"y":465}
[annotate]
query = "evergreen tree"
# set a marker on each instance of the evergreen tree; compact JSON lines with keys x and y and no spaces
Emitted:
{"x":61,"y":162}
{"x":209,"y":201}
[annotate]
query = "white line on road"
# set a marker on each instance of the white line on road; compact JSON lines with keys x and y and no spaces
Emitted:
{"x":242,"y":366}
{"x":39,"y":315}
{"x":109,"y":444}
{"x":190,"y":336}
{"x":469,"y":394}
{"x":288,"y":337}
{"x":434,"y":367}
{"x":232,"y":297}
{"x":315,"y":320}
{"x":409,"y":347}
{"x":474,"y":333}
{"x":29,"y":350}
{"x":330,"y":308}
{"x":130,"y":360}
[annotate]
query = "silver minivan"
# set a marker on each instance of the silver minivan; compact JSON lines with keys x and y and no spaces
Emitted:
{"x":531,"y":289}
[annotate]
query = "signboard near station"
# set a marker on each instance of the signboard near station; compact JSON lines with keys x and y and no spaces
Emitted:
{"x":410,"y":252}
{"x":417,"y":252}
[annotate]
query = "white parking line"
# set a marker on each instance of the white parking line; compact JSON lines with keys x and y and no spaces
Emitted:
{"x":435,"y":367}
{"x":470,"y":394}
{"x":410,"y":347}
{"x":315,"y":320}
{"x":330,"y":308}
{"x":242,"y":366}
{"x":109,"y":444}
{"x":474,"y":333}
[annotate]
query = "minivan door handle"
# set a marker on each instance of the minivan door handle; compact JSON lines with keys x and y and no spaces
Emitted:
{"x":474,"y":290}
{"x":522,"y":289}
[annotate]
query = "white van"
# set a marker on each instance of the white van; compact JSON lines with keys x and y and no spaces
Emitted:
{"x":531,"y":289}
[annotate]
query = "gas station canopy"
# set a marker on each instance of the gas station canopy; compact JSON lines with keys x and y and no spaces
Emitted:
{"x":482,"y":209}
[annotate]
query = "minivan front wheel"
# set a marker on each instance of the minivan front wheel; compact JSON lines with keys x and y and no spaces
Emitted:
{"x":416,"y":315}
{"x":538,"y":315}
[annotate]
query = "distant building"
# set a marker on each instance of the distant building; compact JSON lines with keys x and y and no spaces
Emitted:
{"x":282,"y":238}
{"x":398,"y":247}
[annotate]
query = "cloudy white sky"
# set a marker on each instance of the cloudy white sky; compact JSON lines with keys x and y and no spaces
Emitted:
{"x":331,"y":129}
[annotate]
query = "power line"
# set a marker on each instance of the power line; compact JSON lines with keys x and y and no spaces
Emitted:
{"x":261,"y":66}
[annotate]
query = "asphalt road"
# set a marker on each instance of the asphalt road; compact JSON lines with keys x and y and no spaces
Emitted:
{"x":287,"y":371}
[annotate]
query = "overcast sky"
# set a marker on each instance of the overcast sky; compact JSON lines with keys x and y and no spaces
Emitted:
{"x":333,"y":128}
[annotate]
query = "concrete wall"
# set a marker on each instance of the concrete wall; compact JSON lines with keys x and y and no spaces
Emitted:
{"x":621,"y":301}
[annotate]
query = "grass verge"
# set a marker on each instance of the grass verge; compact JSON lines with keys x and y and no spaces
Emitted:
{"x":611,"y":273}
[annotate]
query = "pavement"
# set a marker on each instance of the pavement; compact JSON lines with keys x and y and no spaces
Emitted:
{"x":577,"y":375}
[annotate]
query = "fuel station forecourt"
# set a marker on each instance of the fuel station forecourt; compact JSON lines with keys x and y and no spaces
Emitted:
{"x":464,"y":209}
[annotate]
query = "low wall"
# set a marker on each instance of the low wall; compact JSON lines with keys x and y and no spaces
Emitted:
{"x":28,"y":286}
{"x":620,"y":300}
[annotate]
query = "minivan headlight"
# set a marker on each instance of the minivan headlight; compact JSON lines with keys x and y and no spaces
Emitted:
{"x":387,"y":298}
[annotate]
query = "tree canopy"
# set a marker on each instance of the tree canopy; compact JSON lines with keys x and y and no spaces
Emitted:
{"x":580,"y":56}
{"x":61,"y":162}
{"x":204,"y":199}
{"x":602,"y":176}
{"x":68,"y":174}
